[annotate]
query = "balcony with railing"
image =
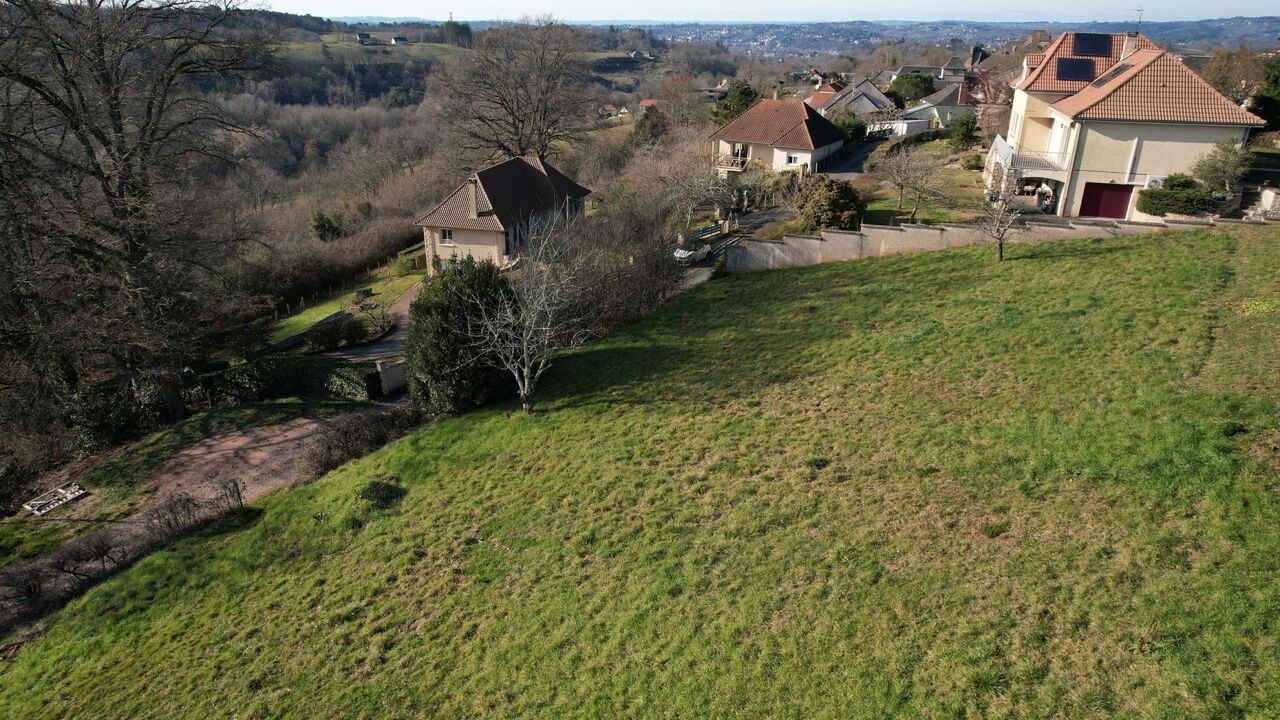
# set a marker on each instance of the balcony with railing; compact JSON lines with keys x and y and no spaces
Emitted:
{"x":732,"y":162}
{"x":1028,"y":160}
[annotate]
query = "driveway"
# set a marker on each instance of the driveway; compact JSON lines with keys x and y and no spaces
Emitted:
{"x":850,"y":168}
{"x":700,"y":272}
{"x":390,"y":345}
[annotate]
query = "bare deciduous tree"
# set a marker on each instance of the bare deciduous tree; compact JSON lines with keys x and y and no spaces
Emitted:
{"x":1235,"y":73}
{"x":544,"y":312}
{"x":105,"y":139}
{"x":998,"y":216}
{"x":909,"y":171}
{"x":521,"y":91}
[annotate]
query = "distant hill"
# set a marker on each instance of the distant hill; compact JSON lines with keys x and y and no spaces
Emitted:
{"x":800,"y":38}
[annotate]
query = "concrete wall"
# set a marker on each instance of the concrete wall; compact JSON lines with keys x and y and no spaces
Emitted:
{"x":880,"y":240}
{"x":1129,"y":153}
{"x":1030,"y":121}
{"x":393,"y":374}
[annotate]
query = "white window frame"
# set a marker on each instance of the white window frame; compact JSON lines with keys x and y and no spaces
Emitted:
{"x":793,"y":159}
{"x":446,"y":237}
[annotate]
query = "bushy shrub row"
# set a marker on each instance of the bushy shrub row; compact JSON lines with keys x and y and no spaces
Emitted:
{"x":444,"y":376}
{"x":1180,"y":194}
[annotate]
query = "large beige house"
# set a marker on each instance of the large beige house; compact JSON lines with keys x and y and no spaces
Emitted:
{"x":778,"y":134}
{"x":1099,"y":116}
{"x":488,"y":216}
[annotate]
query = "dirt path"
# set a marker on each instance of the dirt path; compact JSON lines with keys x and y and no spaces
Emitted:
{"x":262,"y":459}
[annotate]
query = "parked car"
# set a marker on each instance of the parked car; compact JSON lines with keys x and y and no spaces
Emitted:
{"x":689,"y":254}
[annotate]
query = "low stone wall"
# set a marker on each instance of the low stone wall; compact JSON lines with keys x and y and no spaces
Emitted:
{"x":393,"y":375}
{"x":880,"y":240}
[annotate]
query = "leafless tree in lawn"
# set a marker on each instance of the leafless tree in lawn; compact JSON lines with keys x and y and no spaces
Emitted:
{"x":106,"y":145}
{"x":545,"y":311}
{"x":521,"y":91}
{"x":998,"y":217}
{"x":906,"y":170}
{"x":927,"y":180}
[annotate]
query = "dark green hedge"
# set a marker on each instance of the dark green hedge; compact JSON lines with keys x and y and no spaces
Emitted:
{"x":1178,"y":199}
{"x":280,"y":376}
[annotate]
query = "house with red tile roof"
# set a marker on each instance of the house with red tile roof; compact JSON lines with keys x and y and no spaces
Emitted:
{"x":488,"y":216}
{"x":782,"y":135}
{"x":1097,"y":117}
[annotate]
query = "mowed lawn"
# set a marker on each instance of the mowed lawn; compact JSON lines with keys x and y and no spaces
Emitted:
{"x":922,"y":487}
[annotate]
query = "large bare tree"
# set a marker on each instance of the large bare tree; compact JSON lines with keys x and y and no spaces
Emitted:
{"x":911,"y":173}
{"x":107,"y":150}
{"x":521,"y":91}
{"x":1235,"y":73}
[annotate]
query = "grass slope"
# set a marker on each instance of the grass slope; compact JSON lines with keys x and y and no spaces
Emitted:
{"x":923,"y":486}
{"x":386,"y":290}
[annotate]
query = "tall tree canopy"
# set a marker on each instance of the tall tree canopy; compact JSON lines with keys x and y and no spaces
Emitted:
{"x":739,"y":97}
{"x":520,"y":91}
{"x":107,"y":230}
{"x":912,"y":86}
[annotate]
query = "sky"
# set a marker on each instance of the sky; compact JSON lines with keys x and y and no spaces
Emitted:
{"x":773,"y":10}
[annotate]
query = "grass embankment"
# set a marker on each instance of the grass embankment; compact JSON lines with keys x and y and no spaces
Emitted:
{"x":919,"y":486}
{"x":386,"y":290}
{"x":115,"y":480}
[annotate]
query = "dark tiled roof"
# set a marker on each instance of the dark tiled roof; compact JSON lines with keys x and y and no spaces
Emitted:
{"x":1153,"y":86}
{"x":932,"y":71}
{"x":781,"y":123}
{"x":505,"y":194}
{"x":1044,"y":78}
{"x":949,"y":95}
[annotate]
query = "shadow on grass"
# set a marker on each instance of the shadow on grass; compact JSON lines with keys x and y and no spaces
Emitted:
{"x":1050,"y":250}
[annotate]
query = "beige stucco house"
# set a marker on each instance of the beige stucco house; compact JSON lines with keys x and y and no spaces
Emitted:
{"x":779,"y":134}
{"x":1098,"y":117}
{"x":488,"y":216}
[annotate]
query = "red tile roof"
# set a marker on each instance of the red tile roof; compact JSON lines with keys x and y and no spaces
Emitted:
{"x":505,"y":194}
{"x":1154,"y":86}
{"x":781,"y":123}
{"x":1044,"y":77}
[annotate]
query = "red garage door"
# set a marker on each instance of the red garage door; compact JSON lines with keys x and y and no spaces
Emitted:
{"x":1106,"y":200}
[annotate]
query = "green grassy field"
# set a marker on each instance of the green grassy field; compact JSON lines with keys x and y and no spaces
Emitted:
{"x":926,"y":486}
{"x":386,"y":288}
{"x":963,"y":187}
{"x":349,"y":51}
{"x":114,"y":481}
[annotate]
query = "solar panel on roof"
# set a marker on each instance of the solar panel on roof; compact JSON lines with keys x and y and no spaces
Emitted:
{"x":1075,"y":69}
{"x":1092,"y":44}
{"x":1111,"y":74}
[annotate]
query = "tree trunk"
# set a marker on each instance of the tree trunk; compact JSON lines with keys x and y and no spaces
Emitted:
{"x":1000,"y":250}
{"x":901,"y":193}
{"x":526,"y":404}
{"x":172,"y":395}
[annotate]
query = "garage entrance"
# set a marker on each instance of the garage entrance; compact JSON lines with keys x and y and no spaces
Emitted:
{"x":1106,"y":200}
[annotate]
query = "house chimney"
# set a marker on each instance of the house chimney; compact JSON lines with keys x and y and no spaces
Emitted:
{"x":472,"y":197}
{"x":775,"y":93}
{"x":1130,"y":45}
